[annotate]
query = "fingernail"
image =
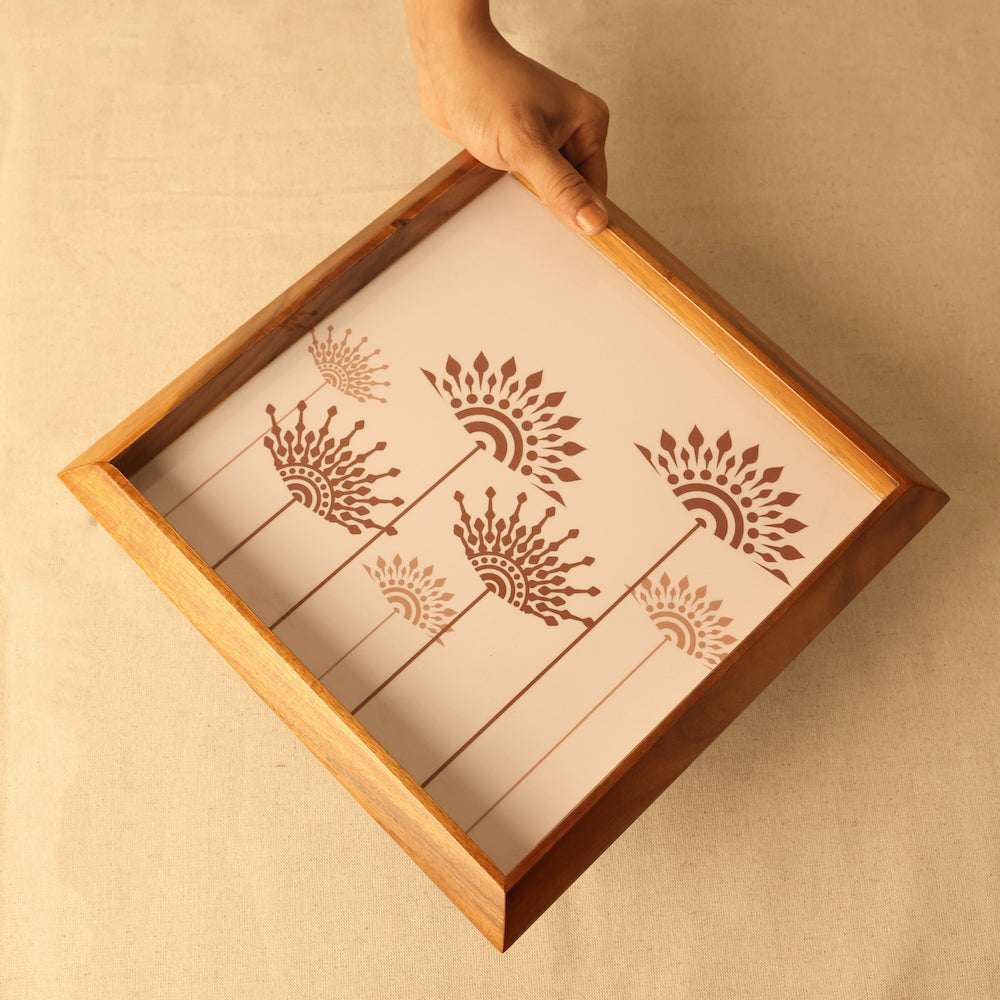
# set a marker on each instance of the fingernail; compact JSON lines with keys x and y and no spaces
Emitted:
{"x":591,"y":218}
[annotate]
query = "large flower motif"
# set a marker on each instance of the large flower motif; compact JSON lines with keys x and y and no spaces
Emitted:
{"x":730,"y":495}
{"x":515,"y":562}
{"x":512,"y":419}
{"x":322,"y":471}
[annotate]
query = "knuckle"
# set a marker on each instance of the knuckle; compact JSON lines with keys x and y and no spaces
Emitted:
{"x":567,"y":188}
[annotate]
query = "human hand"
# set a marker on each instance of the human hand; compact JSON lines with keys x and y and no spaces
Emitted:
{"x":511,"y":112}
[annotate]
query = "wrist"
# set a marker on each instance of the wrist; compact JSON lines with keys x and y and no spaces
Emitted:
{"x":450,"y":40}
{"x":437,"y":27}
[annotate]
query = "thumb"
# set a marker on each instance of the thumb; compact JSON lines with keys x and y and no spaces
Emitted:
{"x":563,"y":190}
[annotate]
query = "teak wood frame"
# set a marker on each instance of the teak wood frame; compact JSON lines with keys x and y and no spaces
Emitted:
{"x":501,"y":906}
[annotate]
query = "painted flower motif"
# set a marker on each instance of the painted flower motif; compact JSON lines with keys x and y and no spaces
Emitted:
{"x":517,"y":563}
{"x":324,"y":473}
{"x":514,"y":421}
{"x":412,"y":592}
{"x":731,"y":495}
{"x":344,"y":367}
{"x":686,"y":617}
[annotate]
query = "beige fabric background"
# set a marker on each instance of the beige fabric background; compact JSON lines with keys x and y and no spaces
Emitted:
{"x":166,"y":170}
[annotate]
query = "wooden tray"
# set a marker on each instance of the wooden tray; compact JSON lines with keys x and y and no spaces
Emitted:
{"x":506,"y":524}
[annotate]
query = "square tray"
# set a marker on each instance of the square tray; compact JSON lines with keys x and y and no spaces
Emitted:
{"x":505,"y":523}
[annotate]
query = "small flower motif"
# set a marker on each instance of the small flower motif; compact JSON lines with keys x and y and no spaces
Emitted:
{"x":413,"y":592}
{"x":686,"y":617}
{"x":344,"y":367}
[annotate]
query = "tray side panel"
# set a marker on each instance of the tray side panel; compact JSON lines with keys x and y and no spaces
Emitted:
{"x":754,"y":355}
{"x":629,"y":790}
{"x":444,"y":853}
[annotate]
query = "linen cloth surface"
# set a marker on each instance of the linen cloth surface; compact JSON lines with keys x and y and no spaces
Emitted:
{"x":165,"y":171}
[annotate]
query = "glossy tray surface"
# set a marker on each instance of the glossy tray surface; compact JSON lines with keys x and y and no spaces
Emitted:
{"x":508,"y":510}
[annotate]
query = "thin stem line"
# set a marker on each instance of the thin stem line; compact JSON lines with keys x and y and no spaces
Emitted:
{"x":256,"y":531}
{"x":367,"y":635}
{"x":243,"y":451}
{"x":298,"y":604}
{"x":427,"y":645}
{"x":556,"y":746}
{"x":527,"y":687}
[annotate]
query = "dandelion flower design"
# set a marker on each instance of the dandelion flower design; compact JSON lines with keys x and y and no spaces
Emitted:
{"x":730,"y":495}
{"x":323,"y":473}
{"x":518,"y":425}
{"x":686,"y":617}
{"x":344,"y":367}
{"x":412,"y":592}
{"x":517,"y":564}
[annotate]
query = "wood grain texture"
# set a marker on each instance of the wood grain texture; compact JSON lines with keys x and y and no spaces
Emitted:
{"x":747,"y":350}
{"x":746,"y":355}
{"x":469,"y":879}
